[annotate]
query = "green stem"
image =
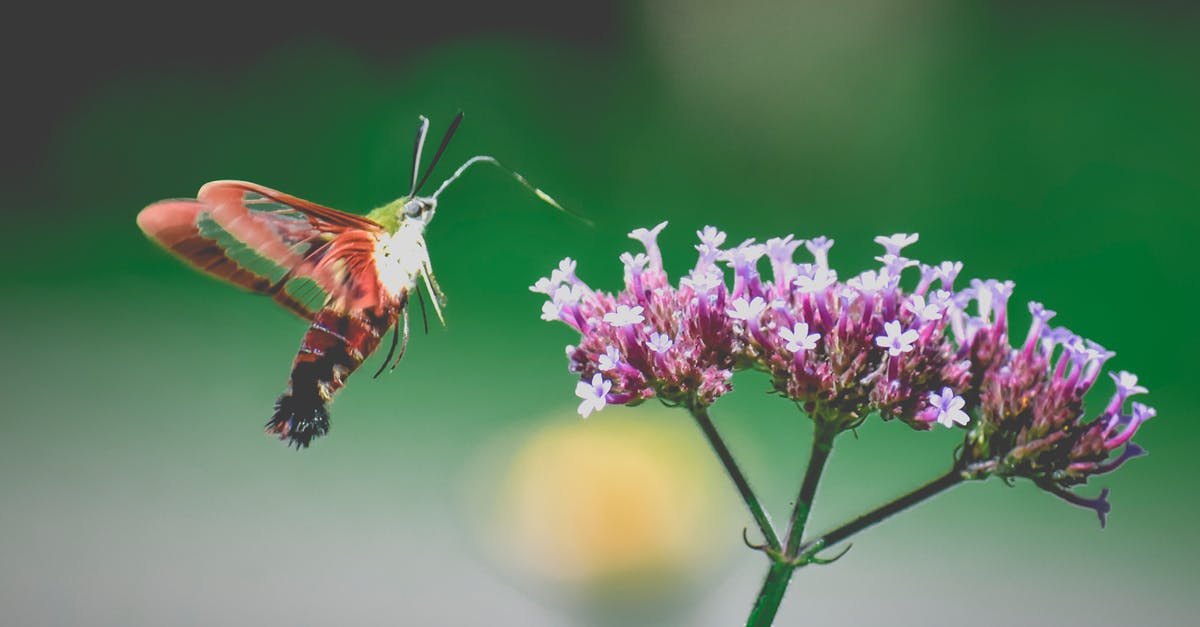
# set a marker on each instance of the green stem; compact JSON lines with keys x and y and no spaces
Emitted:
{"x":700,"y":413}
{"x":771,"y":595}
{"x":822,"y":445}
{"x":776,"y":583}
{"x":881,"y":513}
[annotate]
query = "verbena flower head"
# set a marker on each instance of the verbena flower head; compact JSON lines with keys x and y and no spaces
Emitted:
{"x":843,"y":350}
{"x":899,"y":340}
{"x":651,"y":339}
{"x":1032,"y":420}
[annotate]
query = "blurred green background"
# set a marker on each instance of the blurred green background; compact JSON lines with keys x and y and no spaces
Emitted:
{"x":1054,"y":144}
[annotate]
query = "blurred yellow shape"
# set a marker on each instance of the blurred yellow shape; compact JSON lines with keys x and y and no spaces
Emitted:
{"x":625,"y":498}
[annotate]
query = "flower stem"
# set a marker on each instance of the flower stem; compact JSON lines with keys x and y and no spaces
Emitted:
{"x":771,"y":595}
{"x":822,"y":445}
{"x":700,"y":413}
{"x":797,"y":554}
{"x":881,"y":513}
{"x":776,"y":583}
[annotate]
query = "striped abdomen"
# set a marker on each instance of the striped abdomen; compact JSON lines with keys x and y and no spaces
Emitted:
{"x":334,"y":346}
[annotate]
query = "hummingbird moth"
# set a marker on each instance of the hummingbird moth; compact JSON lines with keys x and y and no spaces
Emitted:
{"x":351,"y":276}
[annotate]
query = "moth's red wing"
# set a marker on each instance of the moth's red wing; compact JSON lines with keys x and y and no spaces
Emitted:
{"x":271,"y":243}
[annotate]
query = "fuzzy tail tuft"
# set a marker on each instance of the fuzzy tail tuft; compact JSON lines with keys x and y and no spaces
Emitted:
{"x":298,"y":420}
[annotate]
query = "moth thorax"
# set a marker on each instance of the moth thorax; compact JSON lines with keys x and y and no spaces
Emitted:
{"x":401,"y":256}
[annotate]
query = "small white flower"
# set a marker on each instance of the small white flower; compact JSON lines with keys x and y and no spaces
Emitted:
{"x":941,"y":299}
{"x":647,"y":236}
{"x":949,"y":408}
{"x":894,"y":340}
{"x":565,"y":271}
{"x":634,"y":263}
{"x":610,"y":359}
{"x":1127,"y":383}
{"x":821,"y":278}
{"x":819,"y":247}
{"x":781,"y":249}
{"x":897,"y":241}
{"x":551,"y":311}
{"x":624,"y":316}
{"x":947,"y":271}
{"x":711,"y":237}
{"x":896,"y":264}
{"x":924,"y":311}
{"x":871,"y":282}
{"x":745,"y":255}
{"x":704,"y":281}
{"x":798,"y":338}
{"x":567,"y":295}
{"x":659,"y":342}
{"x":743,"y":310}
{"x":543,"y":286}
{"x":593,"y":395}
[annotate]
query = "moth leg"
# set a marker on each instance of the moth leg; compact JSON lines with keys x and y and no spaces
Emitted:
{"x":392,"y":350}
{"x":430,"y":279}
{"x":404,"y":342}
{"x":424,"y":318}
{"x":435,"y":292}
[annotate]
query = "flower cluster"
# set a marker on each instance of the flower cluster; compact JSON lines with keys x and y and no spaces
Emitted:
{"x":843,"y":350}
{"x":846,"y":349}
{"x":1031,"y":414}
{"x":651,"y":339}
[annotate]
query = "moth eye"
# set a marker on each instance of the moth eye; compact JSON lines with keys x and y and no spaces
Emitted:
{"x":413,"y":208}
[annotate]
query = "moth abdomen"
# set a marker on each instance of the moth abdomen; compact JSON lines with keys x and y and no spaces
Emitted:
{"x":334,"y":346}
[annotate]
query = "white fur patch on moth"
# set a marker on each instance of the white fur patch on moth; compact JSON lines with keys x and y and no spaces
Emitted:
{"x":400,"y":256}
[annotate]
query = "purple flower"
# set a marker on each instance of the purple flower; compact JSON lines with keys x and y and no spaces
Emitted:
{"x":551,"y":311}
{"x":608,"y":361}
{"x":593,"y":395}
{"x":649,"y":239}
{"x":651,"y":339}
{"x":625,"y":316}
{"x":821,"y":278}
{"x":819,"y":247}
{"x":926,"y":312}
{"x":947,"y":271}
{"x":799,"y":339}
{"x":710,"y":237}
{"x":747,"y":310}
{"x":895,"y":341}
{"x":659,"y":342}
{"x":871,"y":281}
{"x":634,"y":263}
{"x":1032,"y":420}
{"x":703,"y":282}
{"x":565,"y":272}
{"x":1127,"y":384}
{"x":948,"y":406}
{"x":927,"y":355}
{"x":894,"y":243}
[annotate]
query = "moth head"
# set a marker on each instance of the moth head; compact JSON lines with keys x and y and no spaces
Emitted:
{"x":420,"y":208}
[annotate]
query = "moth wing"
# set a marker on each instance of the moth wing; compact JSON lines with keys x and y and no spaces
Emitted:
{"x":304,"y":255}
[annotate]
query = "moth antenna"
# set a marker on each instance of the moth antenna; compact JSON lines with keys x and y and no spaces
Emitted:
{"x":516,"y":175}
{"x":422,"y":130}
{"x":404,"y":342}
{"x":391,"y":351}
{"x":438,"y":155}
